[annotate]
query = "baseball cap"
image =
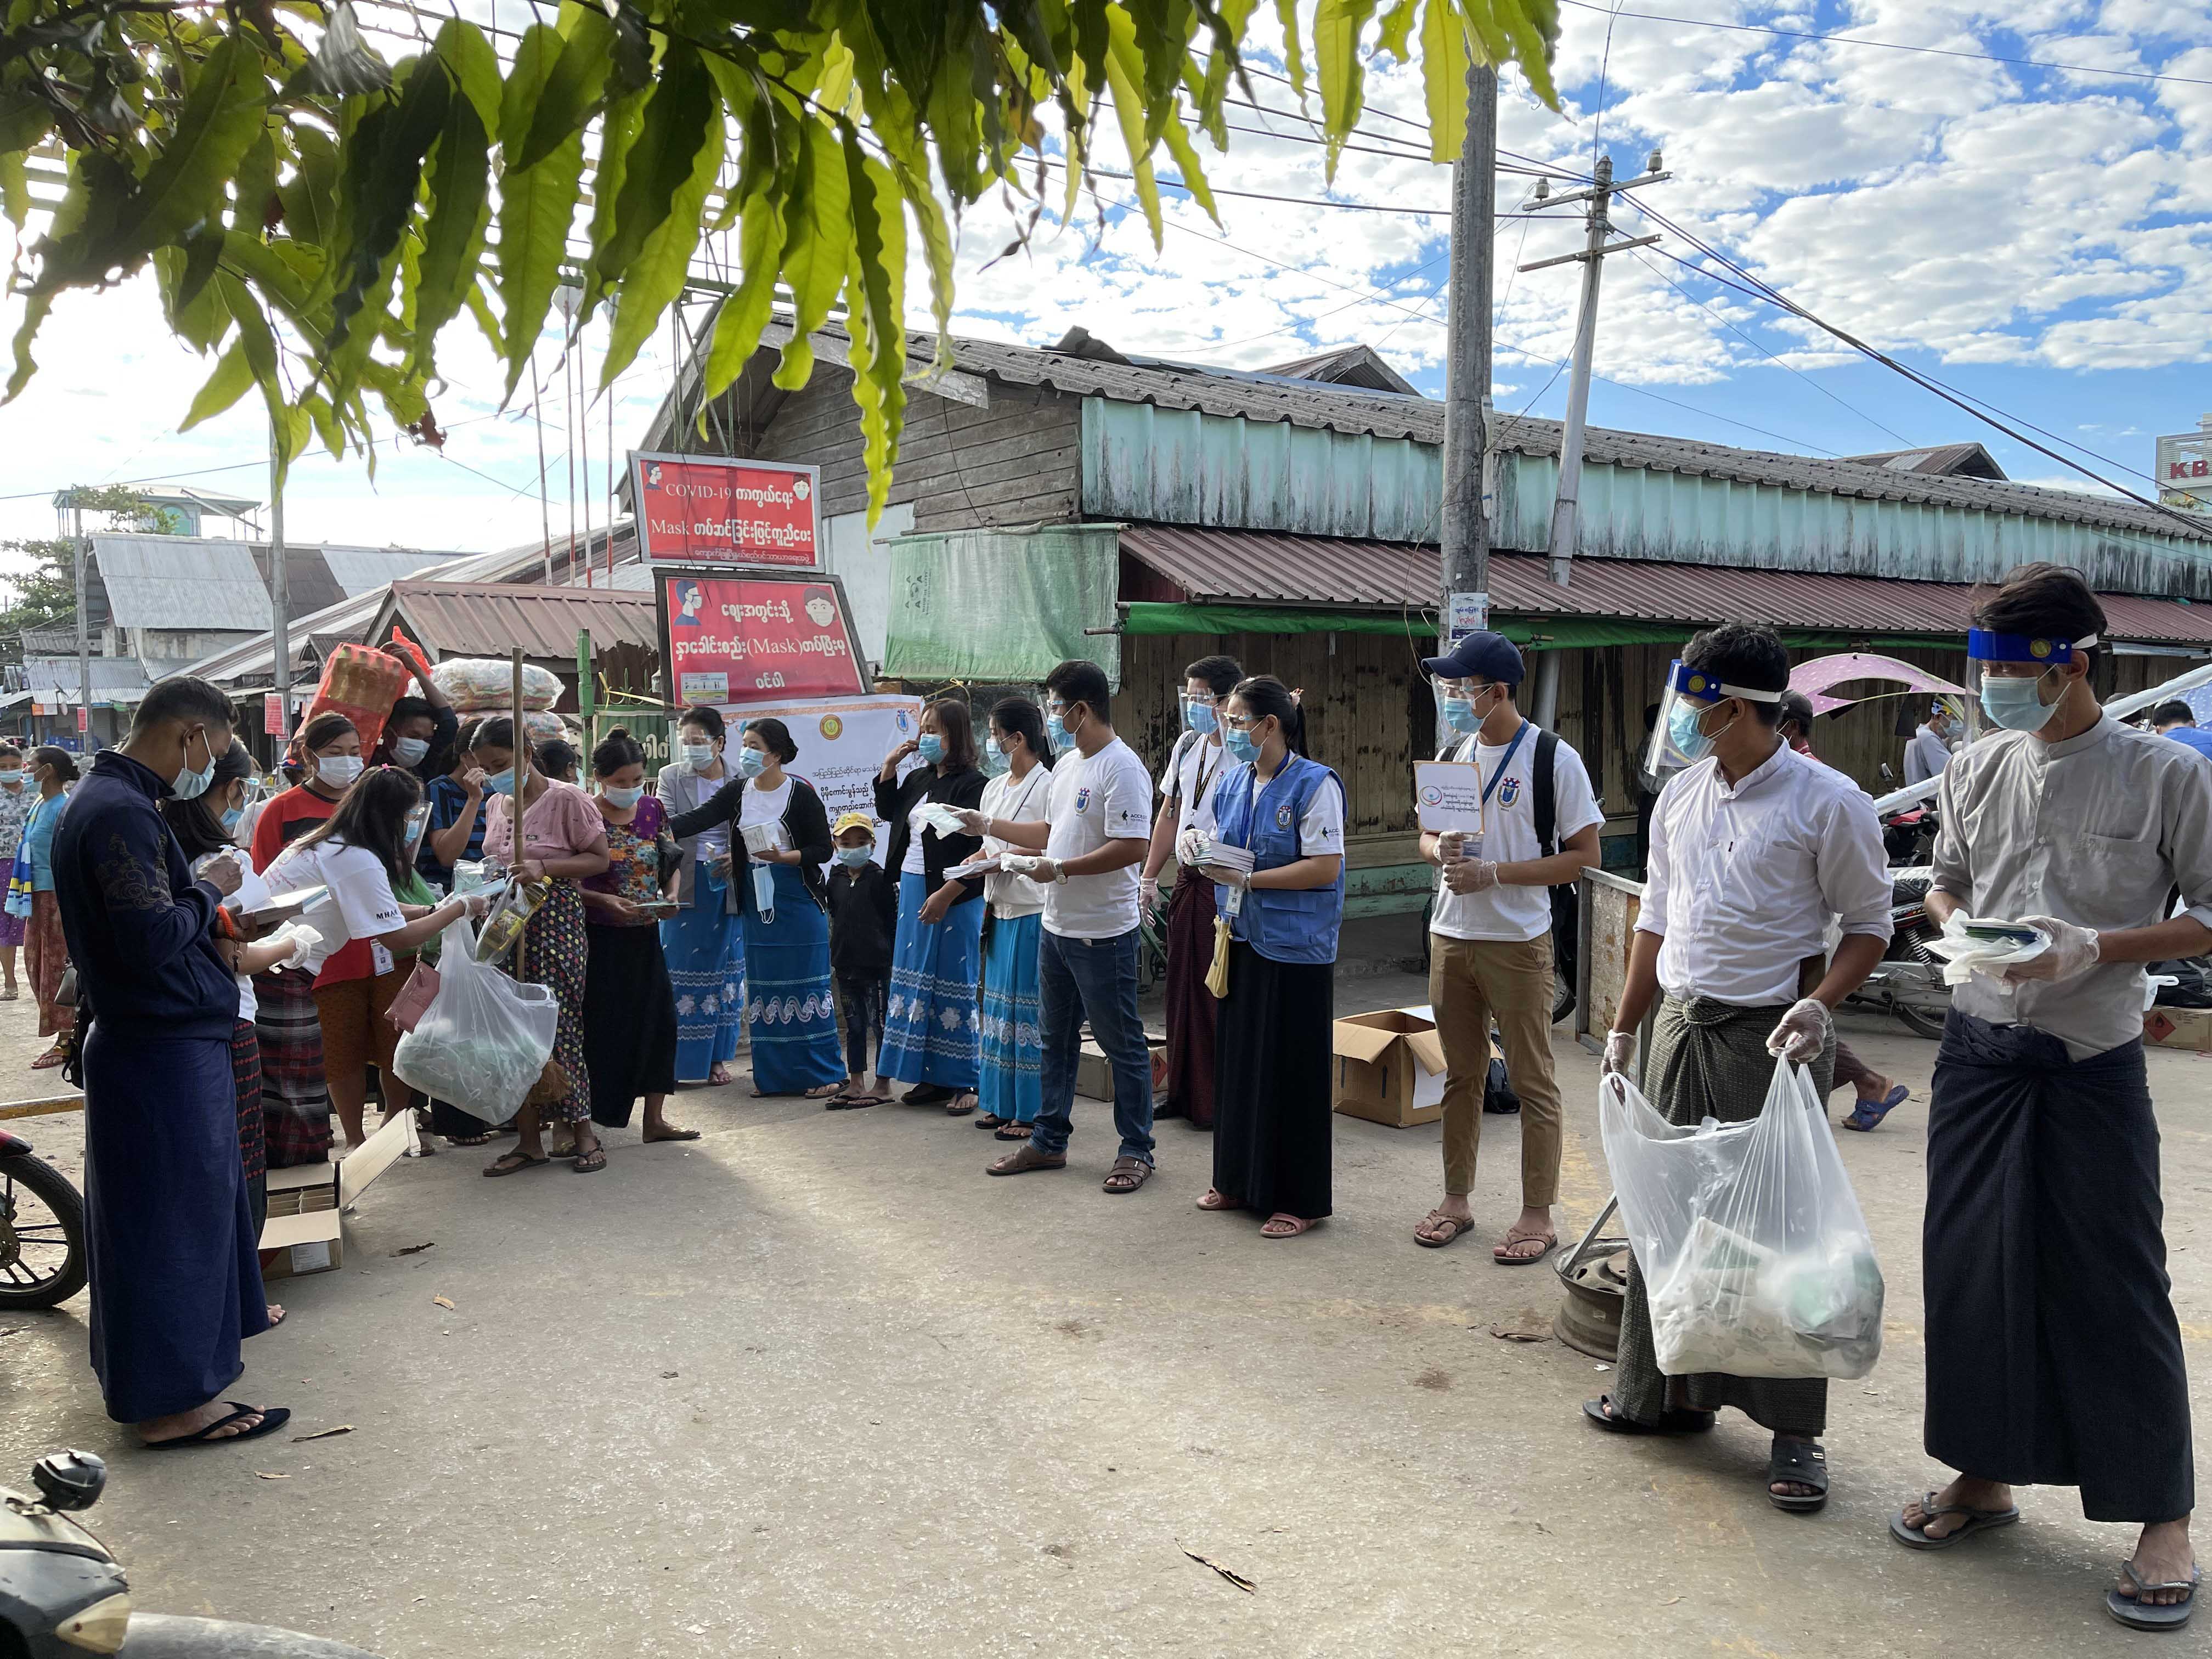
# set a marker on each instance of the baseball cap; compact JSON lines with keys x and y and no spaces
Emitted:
{"x":1480,"y":656}
{"x":853,"y":821}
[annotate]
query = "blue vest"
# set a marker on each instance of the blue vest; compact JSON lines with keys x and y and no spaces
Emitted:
{"x":1281,"y":925}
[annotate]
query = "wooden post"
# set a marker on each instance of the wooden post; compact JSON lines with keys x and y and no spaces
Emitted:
{"x":519,"y":798}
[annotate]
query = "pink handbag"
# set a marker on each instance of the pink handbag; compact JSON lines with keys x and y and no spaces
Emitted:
{"x":414,"y":999}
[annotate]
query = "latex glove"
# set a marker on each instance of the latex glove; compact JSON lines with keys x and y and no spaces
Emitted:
{"x":1148,"y":892}
{"x":2074,"y":951}
{"x":301,"y":938}
{"x":972,"y":821}
{"x":1471,"y":875}
{"x":1221,"y":875}
{"x":1619,"y":1054}
{"x":1025,"y":864}
{"x":1190,"y":848}
{"x":1799,"y":1034}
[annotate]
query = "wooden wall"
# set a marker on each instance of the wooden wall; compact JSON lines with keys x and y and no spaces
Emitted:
{"x":1017,"y":462}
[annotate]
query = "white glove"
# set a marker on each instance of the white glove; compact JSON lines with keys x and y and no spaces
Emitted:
{"x":1148,"y":892}
{"x":1471,"y":875}
{"x":1190,"y":848}
{"x":1619,"y":1054}
{"x":301,"y":938}
{"x":1798,"y":1034}
{"x":1031,"y":865}
{"x":2074,"y":951}
{"x":972,"y":821}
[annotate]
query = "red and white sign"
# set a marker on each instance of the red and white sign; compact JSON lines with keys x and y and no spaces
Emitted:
{"x":83,"y":721}
{"x":272,"y":715}
{"x":715,"y":510}
{"x":740,"y":640}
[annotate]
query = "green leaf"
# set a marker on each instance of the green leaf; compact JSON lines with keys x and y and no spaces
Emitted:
{"x":1129,"y":113}
{"x":1337,"y":27}
{"x":1186,"y":156}
{"x":475,"y":66}
{"x":310,"y":196}
{"x":678,"y":113}
{"x":744,"y":314}
{"x":535,"y":207}
{"x":233,"y":378}
{"x":35,"y":308}
{"x":1398,"y":27}
{"x":873,"y":314}
{"x":202,"y":322}
{"x":14,"y":189}
{"x":656,"y":274}
{"x":453,"y":238}
{"x":383,"y":174}
{"x":572,"y":90}
{"x":1444,"y":60}
{"x":1294,"y":57}
{"x":618,"y":130}
{"x":1531,"y":32}
{"x":256,"y":183}
{"x":818,"y":237}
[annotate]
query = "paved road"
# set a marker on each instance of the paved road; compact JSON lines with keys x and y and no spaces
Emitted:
{"x":814,"y":1385}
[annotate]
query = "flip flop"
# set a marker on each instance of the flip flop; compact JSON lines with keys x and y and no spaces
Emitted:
{"x":673,"y":1134}
{"x":1917,"y":1538}
{"x":1868,"y":1114}
{"x":591,"y":1163}
{"x":1798,"y":1462}
{"x":514,"y":1163}
{"x":1672,"y":1421}
{"x":1011,"y":1131}
{"x":2135,"y":1615}
{"x":1437,"y":1218}
{"x":849,"y":1103}
{"x":273,"y":1418}
{"x":1508,"y":1243}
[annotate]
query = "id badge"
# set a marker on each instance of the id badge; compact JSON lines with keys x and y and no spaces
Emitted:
{"x":380,"y":958}
{"x":1236,"y":902}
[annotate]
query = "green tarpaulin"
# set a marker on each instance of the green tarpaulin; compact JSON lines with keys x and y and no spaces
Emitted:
{"x":1537,"y":634}
{"x":1004,"y":606}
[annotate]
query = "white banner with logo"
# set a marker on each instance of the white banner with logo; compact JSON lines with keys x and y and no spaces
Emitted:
{"x":841,"y":744}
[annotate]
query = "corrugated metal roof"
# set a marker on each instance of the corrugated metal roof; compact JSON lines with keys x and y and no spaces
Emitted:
{"x":1967,"y":460}
{"x":60,"y":680}
{"x":360,"y":570}
{"x":492,"y":618}
{"x":180,"y":582}
{"x":1259,"y":567}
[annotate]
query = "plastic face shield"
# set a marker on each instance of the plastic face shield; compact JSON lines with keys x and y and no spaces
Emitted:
{"x":2023,"y":658}
{"x":1677,"y":740}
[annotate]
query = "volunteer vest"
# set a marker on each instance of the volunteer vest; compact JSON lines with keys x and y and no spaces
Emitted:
{"x":1281,"y":925}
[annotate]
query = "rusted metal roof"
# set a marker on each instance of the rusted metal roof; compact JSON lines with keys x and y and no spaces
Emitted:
{"x":1967,"y":460}
{"x":1255,"y":567}
{"x":492,"y":618}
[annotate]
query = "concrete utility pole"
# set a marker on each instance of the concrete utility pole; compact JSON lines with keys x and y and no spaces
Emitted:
{"x":1467,"y":365}
{"x":280,"y":619}
{"x":83,"y":637}
{"x":1566,"y":504}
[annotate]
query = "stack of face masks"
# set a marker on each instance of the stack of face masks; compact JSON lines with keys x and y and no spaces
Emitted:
{"x":1984,"y":944}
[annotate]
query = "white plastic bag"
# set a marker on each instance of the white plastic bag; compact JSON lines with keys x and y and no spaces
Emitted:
{"x":484,"y":1039}
{"x":486,"y":685}
{"x":1964,"y":955}
{"x":1755,"y":1256}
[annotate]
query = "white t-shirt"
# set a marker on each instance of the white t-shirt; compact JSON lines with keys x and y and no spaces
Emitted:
{"x":253,"y":894}
{"x":759,"y":806}
{"x":1016,"y":800}
{"x":916,"y":827}
{"x":1517,"y":913}
{"x":1107,"y":797}
{"x":1194,"y":766}
{"x":1321,"y":831}
{"x":360,"y":904}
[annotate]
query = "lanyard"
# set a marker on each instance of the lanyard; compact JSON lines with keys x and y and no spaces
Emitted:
{"x":1504,"y":760}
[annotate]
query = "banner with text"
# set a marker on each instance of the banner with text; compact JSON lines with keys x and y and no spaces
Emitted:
{"x":843,"y":743}
{"x":717,"y":510}
{"x":755,"y":639}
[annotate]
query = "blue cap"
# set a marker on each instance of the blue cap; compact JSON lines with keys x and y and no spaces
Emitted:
{"x":1483,"y":656}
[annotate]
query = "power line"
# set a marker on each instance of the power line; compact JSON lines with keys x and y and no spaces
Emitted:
{"x":1295,"y":201}
{"x":1892,"y":46}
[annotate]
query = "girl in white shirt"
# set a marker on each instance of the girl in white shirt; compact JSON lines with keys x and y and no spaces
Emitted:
{"x":1010,"y":1081}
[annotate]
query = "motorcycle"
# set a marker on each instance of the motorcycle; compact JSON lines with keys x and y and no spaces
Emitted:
{"x":1908,"y":833}
{"x":1908,"y":980}
{"x":63,"y":1594}
{"x":42,"y":1260}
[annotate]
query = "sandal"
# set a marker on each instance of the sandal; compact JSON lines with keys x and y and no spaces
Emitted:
{"x":717,"y":1076}
{"x":1498,"y":1252}
{"x":850,"y":1102}
{"x":960,"y":1105}
{"x":273,"y":1418}
{"x":1127,"y":1174}
{"x":507,"y":1163}
{"x":46,"y":1062}
{"x":990,"y":1120}
{"x":1674,"y":1420}
{"x":926,"y":1094}
{"x":2130,"y":1610}
{"x":1027,"y":1158}
{"x":484,"y":1139}
{"x":1213,"y":1200}
{"x":670,"y":1133}
{"x":1282,"y":1224}
{"x":1436,"y":1219}
{"x":1801,"y":1463}
{"x":1917,"y":1538}
{"x":591,"y":1162}
{"x":1868,"y":1114}
{"x":1011,"y":1131}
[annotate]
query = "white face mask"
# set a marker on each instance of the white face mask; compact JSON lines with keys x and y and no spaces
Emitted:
{"x":338,"y":770}
{"x":409,"y":751}
{"x":698,"y":756}
{"x":622,"y":800}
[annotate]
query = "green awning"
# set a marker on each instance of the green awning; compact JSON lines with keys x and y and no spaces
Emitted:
{"x":1538,"y":633}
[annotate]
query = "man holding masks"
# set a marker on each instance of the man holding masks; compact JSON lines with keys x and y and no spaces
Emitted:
{"x":2054,"y":1356}
{"x":1754,"y":847}
{"x":176,"y":1277}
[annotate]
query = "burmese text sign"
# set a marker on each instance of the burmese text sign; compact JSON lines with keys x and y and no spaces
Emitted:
{"x":757,"y":638}
{"x":717,"y":510}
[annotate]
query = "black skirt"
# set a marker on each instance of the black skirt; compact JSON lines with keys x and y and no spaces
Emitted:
{"x":629,"y":1022}
{"x":1272,"y":1129}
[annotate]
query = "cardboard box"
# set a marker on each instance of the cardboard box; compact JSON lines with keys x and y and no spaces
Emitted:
{"x":1094,"y":1072}
{"x":1390,"y":1067}
{"x":2178,"y":1028}
{"x":306,"y":1201}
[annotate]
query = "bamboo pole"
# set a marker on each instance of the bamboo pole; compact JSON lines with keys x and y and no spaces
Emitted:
{"x":520,"y":797}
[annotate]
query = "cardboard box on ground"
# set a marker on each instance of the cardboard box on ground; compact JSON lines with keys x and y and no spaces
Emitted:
{"x":1390,"y":1066}
{"x":1094,"y":1072}
{"x":306,"y":1200}
{"x":2178,"y":1028}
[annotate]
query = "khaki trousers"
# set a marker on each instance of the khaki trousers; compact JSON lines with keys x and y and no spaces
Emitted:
{"x":1472,"y":982}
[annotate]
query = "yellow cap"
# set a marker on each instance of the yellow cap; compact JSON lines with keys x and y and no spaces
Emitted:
{"x":853,"y":821}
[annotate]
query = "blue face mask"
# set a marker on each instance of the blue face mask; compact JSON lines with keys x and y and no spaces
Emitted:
{"x":1687,"y":735}
{"x":501,"y":783}
{"x":1056,"y":729}
{"x":752,"y":761}
{"x":1200,"y":717}
{"x":15,"y":776}
{"x":189,"y":785}
{"x":994,"y":758}
{"x":853,"y":857}
{"x":230,"y":818}
{"x":2016,"y":704}
{"x":622,"y":800}
{"x":931,"y":747}
{"x":1239,"y":743}
{"x":1459,"y":714}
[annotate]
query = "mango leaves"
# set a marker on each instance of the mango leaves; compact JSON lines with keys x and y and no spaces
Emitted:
{"x":317,"y":214}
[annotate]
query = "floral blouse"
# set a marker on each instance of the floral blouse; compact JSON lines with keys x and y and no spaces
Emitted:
{"x":633,"y":853}
{"x":14,"y":811}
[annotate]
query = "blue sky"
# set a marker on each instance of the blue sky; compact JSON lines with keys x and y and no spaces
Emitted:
{"x":2040,"y":238}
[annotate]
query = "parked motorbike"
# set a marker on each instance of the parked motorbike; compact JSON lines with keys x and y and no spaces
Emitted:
{"x":1908,"y":980}
{"x":1908,"y":833}
{"x":42,"y":1261}
{"x":63,"y":1595}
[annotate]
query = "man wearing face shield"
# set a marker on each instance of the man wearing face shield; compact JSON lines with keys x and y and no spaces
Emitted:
{"x":2054,"y":1357}
{"x":1754,"y":847}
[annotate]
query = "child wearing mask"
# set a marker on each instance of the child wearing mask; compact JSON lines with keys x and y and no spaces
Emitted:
{"x":863,"y":919}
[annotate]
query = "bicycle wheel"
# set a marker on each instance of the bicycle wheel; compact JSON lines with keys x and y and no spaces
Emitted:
{"x":41,"y":1235}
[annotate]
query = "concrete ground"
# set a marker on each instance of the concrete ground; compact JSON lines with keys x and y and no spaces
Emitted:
{"x":814,"y":1385}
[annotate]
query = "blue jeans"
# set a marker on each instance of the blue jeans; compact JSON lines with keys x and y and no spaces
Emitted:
{"x":1093,"y":978}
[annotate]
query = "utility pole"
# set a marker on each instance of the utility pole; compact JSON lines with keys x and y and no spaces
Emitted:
{"x":280,"y":620}
{"x":1467,"y":365}
{"x":83,"y":637}
{"x":1566,"y":504}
